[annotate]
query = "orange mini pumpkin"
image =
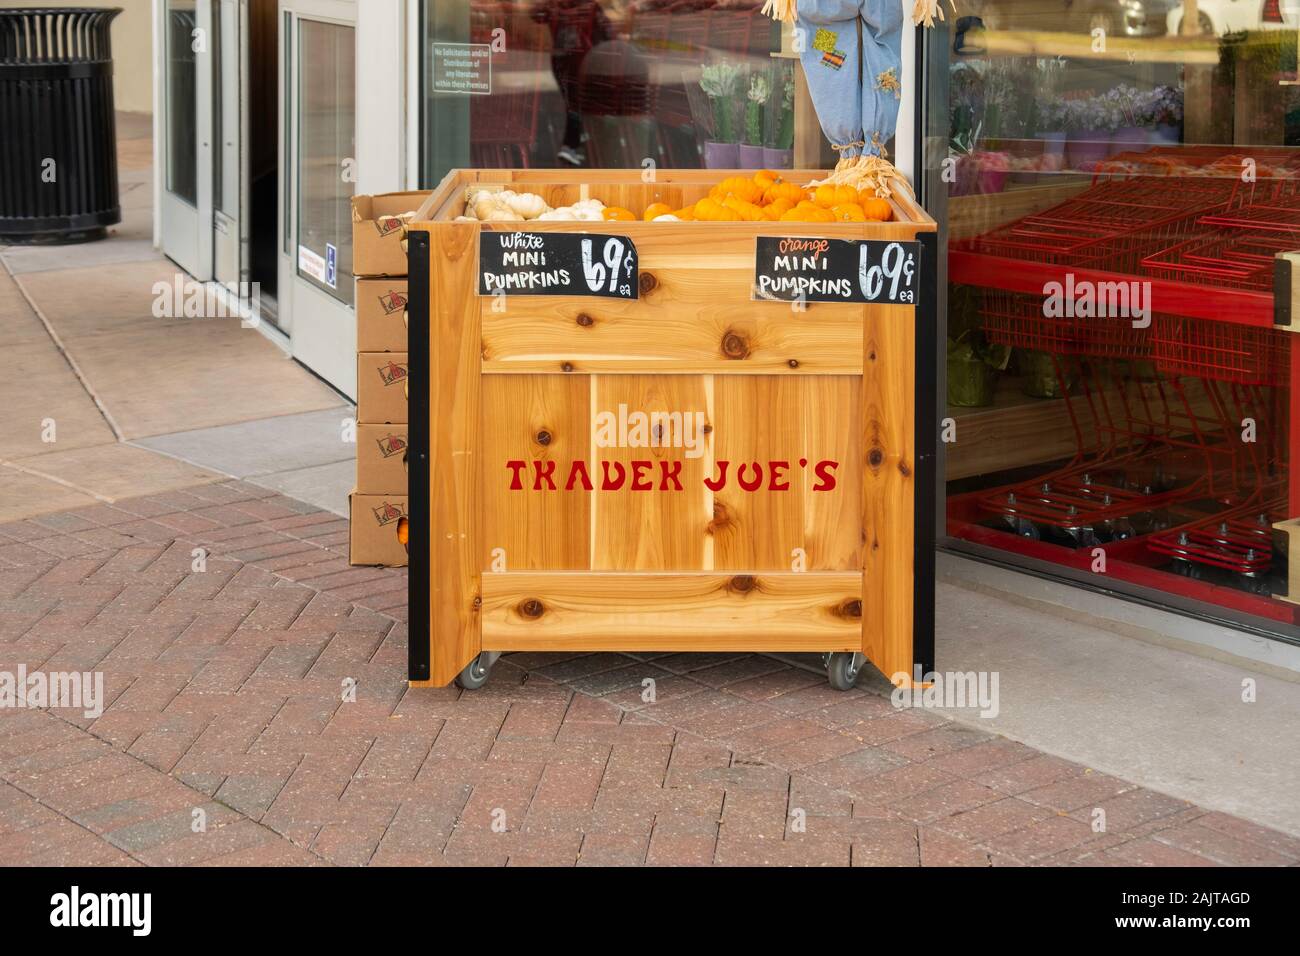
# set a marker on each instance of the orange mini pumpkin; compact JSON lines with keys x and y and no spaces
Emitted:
{"x":877,"y":210}
{"x":618,"y":214}
{"x":656,"y":209}
{"x":790,"y":192}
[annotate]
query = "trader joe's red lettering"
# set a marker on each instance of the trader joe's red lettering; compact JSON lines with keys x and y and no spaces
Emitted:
{"x":663,"y":475}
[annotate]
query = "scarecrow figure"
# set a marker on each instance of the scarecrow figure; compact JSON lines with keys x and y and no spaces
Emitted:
{"x":852,"y":53}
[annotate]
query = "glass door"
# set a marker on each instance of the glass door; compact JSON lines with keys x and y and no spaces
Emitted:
{"x":186,"y":33}
{"x":203,"y":162}
{"x":319,"y":157}
{"x":229,"y":157}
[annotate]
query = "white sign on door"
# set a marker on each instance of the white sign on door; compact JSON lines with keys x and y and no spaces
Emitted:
{"x":311,"y":264}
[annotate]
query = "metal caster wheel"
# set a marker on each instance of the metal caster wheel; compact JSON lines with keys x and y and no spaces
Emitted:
{"x":843,"y":668}
{"x":1025,"y":529}
{"x":477,"y":671}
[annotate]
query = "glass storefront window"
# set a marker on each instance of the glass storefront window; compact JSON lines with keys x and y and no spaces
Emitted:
{"x":182,"y":129}
{"x":326,"y":131}
{"x":605,"y":84}
{"x":1119,"y":176}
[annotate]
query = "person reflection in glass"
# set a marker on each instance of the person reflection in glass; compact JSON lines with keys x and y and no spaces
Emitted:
{"x":576,"y":26}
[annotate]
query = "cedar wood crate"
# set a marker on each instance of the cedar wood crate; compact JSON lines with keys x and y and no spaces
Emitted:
{"x":690,"y":570}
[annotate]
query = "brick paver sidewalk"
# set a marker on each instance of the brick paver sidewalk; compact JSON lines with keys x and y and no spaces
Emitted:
{"x":226,"y":687}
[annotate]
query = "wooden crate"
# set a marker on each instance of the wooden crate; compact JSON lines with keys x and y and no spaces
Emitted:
{"x":495,"y":569}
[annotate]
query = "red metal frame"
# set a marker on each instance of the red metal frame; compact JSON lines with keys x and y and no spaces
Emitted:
{"x":1206,"y":244}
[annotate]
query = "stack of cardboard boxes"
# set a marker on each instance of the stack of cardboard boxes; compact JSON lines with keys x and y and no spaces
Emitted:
{"x":379,"y":501}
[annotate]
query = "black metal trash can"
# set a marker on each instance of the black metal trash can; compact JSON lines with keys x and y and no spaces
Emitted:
{"x":58,"y":136}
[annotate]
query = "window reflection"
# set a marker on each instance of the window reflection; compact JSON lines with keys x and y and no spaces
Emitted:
{"x":613,"y":83}
{"x":1120,"y":178}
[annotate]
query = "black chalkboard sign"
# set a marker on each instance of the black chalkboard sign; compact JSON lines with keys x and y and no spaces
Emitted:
{"x":557,"y":263}
{"x":809,"y":269}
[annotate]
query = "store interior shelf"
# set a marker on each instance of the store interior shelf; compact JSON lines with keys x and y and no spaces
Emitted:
{"x":1174,"y":298}
{"x":1203,"y":50}
{"x":1016,"y":430}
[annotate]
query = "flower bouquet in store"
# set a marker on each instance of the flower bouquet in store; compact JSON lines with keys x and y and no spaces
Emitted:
{"x":1165,"y":104}
{"x":851,"y":53}
{"x":718,"y":105}
{"x":756,"y":99}
{"x":1132,"y":115}
{"x":1092,"y":121}
{"x":778,"y":142}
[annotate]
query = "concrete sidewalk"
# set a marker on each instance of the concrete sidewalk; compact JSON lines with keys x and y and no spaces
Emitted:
{"x":98,"y":385}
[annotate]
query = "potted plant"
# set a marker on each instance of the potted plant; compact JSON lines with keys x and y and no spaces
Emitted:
{"x":1166,"y":106}
{"x":1040,"y":375}
{"x":778,"y":148}
{"x":1053,"y":126}
{"x":720,"y":117}
{"x":1130,"y":116}
{"x":1089,"y":121}
{"x":756,"y":97}
{"x":973,"y":366}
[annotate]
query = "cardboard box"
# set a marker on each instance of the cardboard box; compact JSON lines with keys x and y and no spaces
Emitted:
{"x":378,"y":231}
{"x":381,"y":315}
{"x":376,"y":520}
{"x":381,"y":388}
{"x":381,"y":459}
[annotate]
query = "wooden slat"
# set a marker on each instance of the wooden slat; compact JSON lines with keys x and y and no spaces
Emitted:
{"x":535,"y":418}
{"x":687,"y":320}
{"x":888,"y":490}
{"x":652,"y":530}
{"x":764,"y":419}
{"x":454,"y":441}
{"x":832,"y":422}
{"x":688,"y":612}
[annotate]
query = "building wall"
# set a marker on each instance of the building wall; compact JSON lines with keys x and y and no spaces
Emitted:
{"x":132,"y":49}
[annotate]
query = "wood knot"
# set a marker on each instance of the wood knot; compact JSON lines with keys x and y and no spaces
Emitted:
{"x":708,"y":429}
{"x":741,"y":583}
{"x":735,"y":345}
{"x":849,"y":607}
{"x":875,"y":458}
{"x":907,"y":472}
{"x":478,"y":602}
{"x":543,"y":437}
{"x":793,"y":363}
{"x":566,"y":367}
{"x":721,"y":517}
{"x":648,"y":283}
{"x":585,"y":320}
{"x":531,"y":607}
